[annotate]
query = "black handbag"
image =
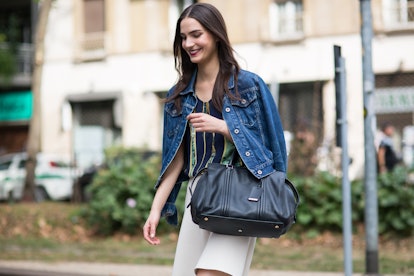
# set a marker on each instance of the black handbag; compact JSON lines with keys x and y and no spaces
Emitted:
{"x":230,"y":200}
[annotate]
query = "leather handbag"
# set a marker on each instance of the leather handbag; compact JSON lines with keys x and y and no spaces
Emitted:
{"x":232,"y":201}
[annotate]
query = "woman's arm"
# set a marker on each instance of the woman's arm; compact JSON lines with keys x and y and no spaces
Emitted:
{"x":381,"y":159}
{"x":161,"y":196}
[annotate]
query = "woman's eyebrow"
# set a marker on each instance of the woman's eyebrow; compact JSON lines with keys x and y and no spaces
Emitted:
{"x":192,"y":32}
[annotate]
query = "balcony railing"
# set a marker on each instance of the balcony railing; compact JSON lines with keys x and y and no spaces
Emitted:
{"x":92,"y":46}
{"x":23,"y":59}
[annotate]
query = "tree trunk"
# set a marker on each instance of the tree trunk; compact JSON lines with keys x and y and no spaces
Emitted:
{"x":33,"y":143}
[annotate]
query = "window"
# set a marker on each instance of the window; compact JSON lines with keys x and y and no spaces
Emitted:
{"x":182,"y":4}
{"x":94,"y":16}
{"x":22,"y":164}
{"x":95,"y":129}
{"x":398,"y":13}
{"x":176,"y":7}
{"x":92,"y":43}
{"x":4,"y":166}
{"x":300,"y":102}
{"x":286,"y":19}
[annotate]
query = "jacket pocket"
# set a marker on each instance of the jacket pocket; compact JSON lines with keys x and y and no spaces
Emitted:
{"x":247,"y":107}
{"x":171,"y":120}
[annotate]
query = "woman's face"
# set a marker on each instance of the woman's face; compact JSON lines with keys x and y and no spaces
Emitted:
{"x":198,"y":43}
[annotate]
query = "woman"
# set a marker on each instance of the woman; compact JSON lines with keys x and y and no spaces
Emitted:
{"x":214,"y":109}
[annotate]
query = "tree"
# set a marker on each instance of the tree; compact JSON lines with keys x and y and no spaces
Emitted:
{"x":33,"y":144}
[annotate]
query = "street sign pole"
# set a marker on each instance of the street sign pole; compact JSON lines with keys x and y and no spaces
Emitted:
{"x":342,"y":141}
{"x":370,"y":181}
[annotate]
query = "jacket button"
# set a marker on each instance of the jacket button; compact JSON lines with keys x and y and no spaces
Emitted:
{"x":227,"y":109}
{"x":243,"y":101}
{"x":247,"y":153}
{"x":236,"y":131}
{"x":259,"y":172}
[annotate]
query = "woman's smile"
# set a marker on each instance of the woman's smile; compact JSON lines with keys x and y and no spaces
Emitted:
{"x":194,"y":52}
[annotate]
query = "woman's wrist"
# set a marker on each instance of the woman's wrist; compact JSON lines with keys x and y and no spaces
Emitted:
{"x":225,"y":131}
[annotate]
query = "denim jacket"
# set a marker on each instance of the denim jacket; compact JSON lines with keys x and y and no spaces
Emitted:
{"x":254,"y":124}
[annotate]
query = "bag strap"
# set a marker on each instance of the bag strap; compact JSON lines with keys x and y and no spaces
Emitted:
{"x":235,"y":157}
{"x":293,"y":188}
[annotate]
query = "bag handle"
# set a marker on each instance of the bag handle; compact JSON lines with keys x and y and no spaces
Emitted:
{"x":235,"y":157}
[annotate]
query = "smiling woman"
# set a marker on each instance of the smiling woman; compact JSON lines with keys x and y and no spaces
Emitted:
{"x":214,"y":110}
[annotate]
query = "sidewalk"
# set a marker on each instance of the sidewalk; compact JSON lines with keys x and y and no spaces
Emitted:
{"x":105,"y":269}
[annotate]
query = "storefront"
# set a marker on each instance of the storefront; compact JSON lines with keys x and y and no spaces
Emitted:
{"x":16,"y":109}
{"x":394,"y":103}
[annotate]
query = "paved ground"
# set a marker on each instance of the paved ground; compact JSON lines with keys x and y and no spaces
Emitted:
{"x":25,"y":268}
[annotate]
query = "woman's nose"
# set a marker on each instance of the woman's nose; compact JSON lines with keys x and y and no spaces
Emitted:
{"x":188,"y":43}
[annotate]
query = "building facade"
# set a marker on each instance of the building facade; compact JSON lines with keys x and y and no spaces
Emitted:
{"x":16,"y":54}
{"x":108,"y":64}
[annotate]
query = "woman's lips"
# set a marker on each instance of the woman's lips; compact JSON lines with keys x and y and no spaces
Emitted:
{"x":194,"y":52}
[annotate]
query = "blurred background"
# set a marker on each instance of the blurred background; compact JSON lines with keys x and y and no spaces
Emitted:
{"x":107,"y":65}
{"x":93,"y":116}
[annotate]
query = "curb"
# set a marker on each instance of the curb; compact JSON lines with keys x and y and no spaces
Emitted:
{"x":34,"y":268}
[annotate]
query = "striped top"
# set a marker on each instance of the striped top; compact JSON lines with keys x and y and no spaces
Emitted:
{"x":206,"y":147}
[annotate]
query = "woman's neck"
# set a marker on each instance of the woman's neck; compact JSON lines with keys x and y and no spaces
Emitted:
{"x":208,"y":72}
{"x":206,"y":78}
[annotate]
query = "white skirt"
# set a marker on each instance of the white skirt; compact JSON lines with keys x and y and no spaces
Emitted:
{"x":201,"y":249}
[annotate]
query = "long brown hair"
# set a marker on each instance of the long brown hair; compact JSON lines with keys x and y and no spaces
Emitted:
{"x":212,"y":20}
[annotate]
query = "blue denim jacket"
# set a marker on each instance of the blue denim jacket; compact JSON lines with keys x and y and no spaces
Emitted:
{"x":253,"y":122}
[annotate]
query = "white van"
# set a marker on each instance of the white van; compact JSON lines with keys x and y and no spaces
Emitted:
{"x":54,"y":177}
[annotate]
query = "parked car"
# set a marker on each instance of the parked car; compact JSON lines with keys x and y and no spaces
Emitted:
{"x":54,"y":177}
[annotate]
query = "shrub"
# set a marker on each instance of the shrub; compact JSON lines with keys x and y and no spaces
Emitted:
{"x":122,"y":192}
{"x":396,"y":203}
{"x":321,"y":202}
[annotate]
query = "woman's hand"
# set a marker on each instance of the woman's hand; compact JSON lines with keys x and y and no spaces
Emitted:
{"x":203,"y":122}
{"x":150,"y":228}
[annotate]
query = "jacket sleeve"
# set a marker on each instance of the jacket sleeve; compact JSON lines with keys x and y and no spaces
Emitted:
{"x":274,"y":127}
{"x":169,"y":211}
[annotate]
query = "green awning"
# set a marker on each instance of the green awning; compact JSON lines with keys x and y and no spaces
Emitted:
{"x":16,"y":106}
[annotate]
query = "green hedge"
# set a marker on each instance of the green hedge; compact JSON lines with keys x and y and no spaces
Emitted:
{"x":321,"y":203}
{"x":122,"y":193}
{"x":396,"y":202}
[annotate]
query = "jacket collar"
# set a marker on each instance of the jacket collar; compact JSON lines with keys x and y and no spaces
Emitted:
{"x":191,"y":85}
{"x":231,"y":82}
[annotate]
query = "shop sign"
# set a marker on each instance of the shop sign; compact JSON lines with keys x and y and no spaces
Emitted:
{"x":16,"y":106}
{"x":394,"y":100}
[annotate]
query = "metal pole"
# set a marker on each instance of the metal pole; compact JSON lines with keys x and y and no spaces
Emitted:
{"x":371,"y":199}
{"x":274,"y":89}
{"x":342,"y":126}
